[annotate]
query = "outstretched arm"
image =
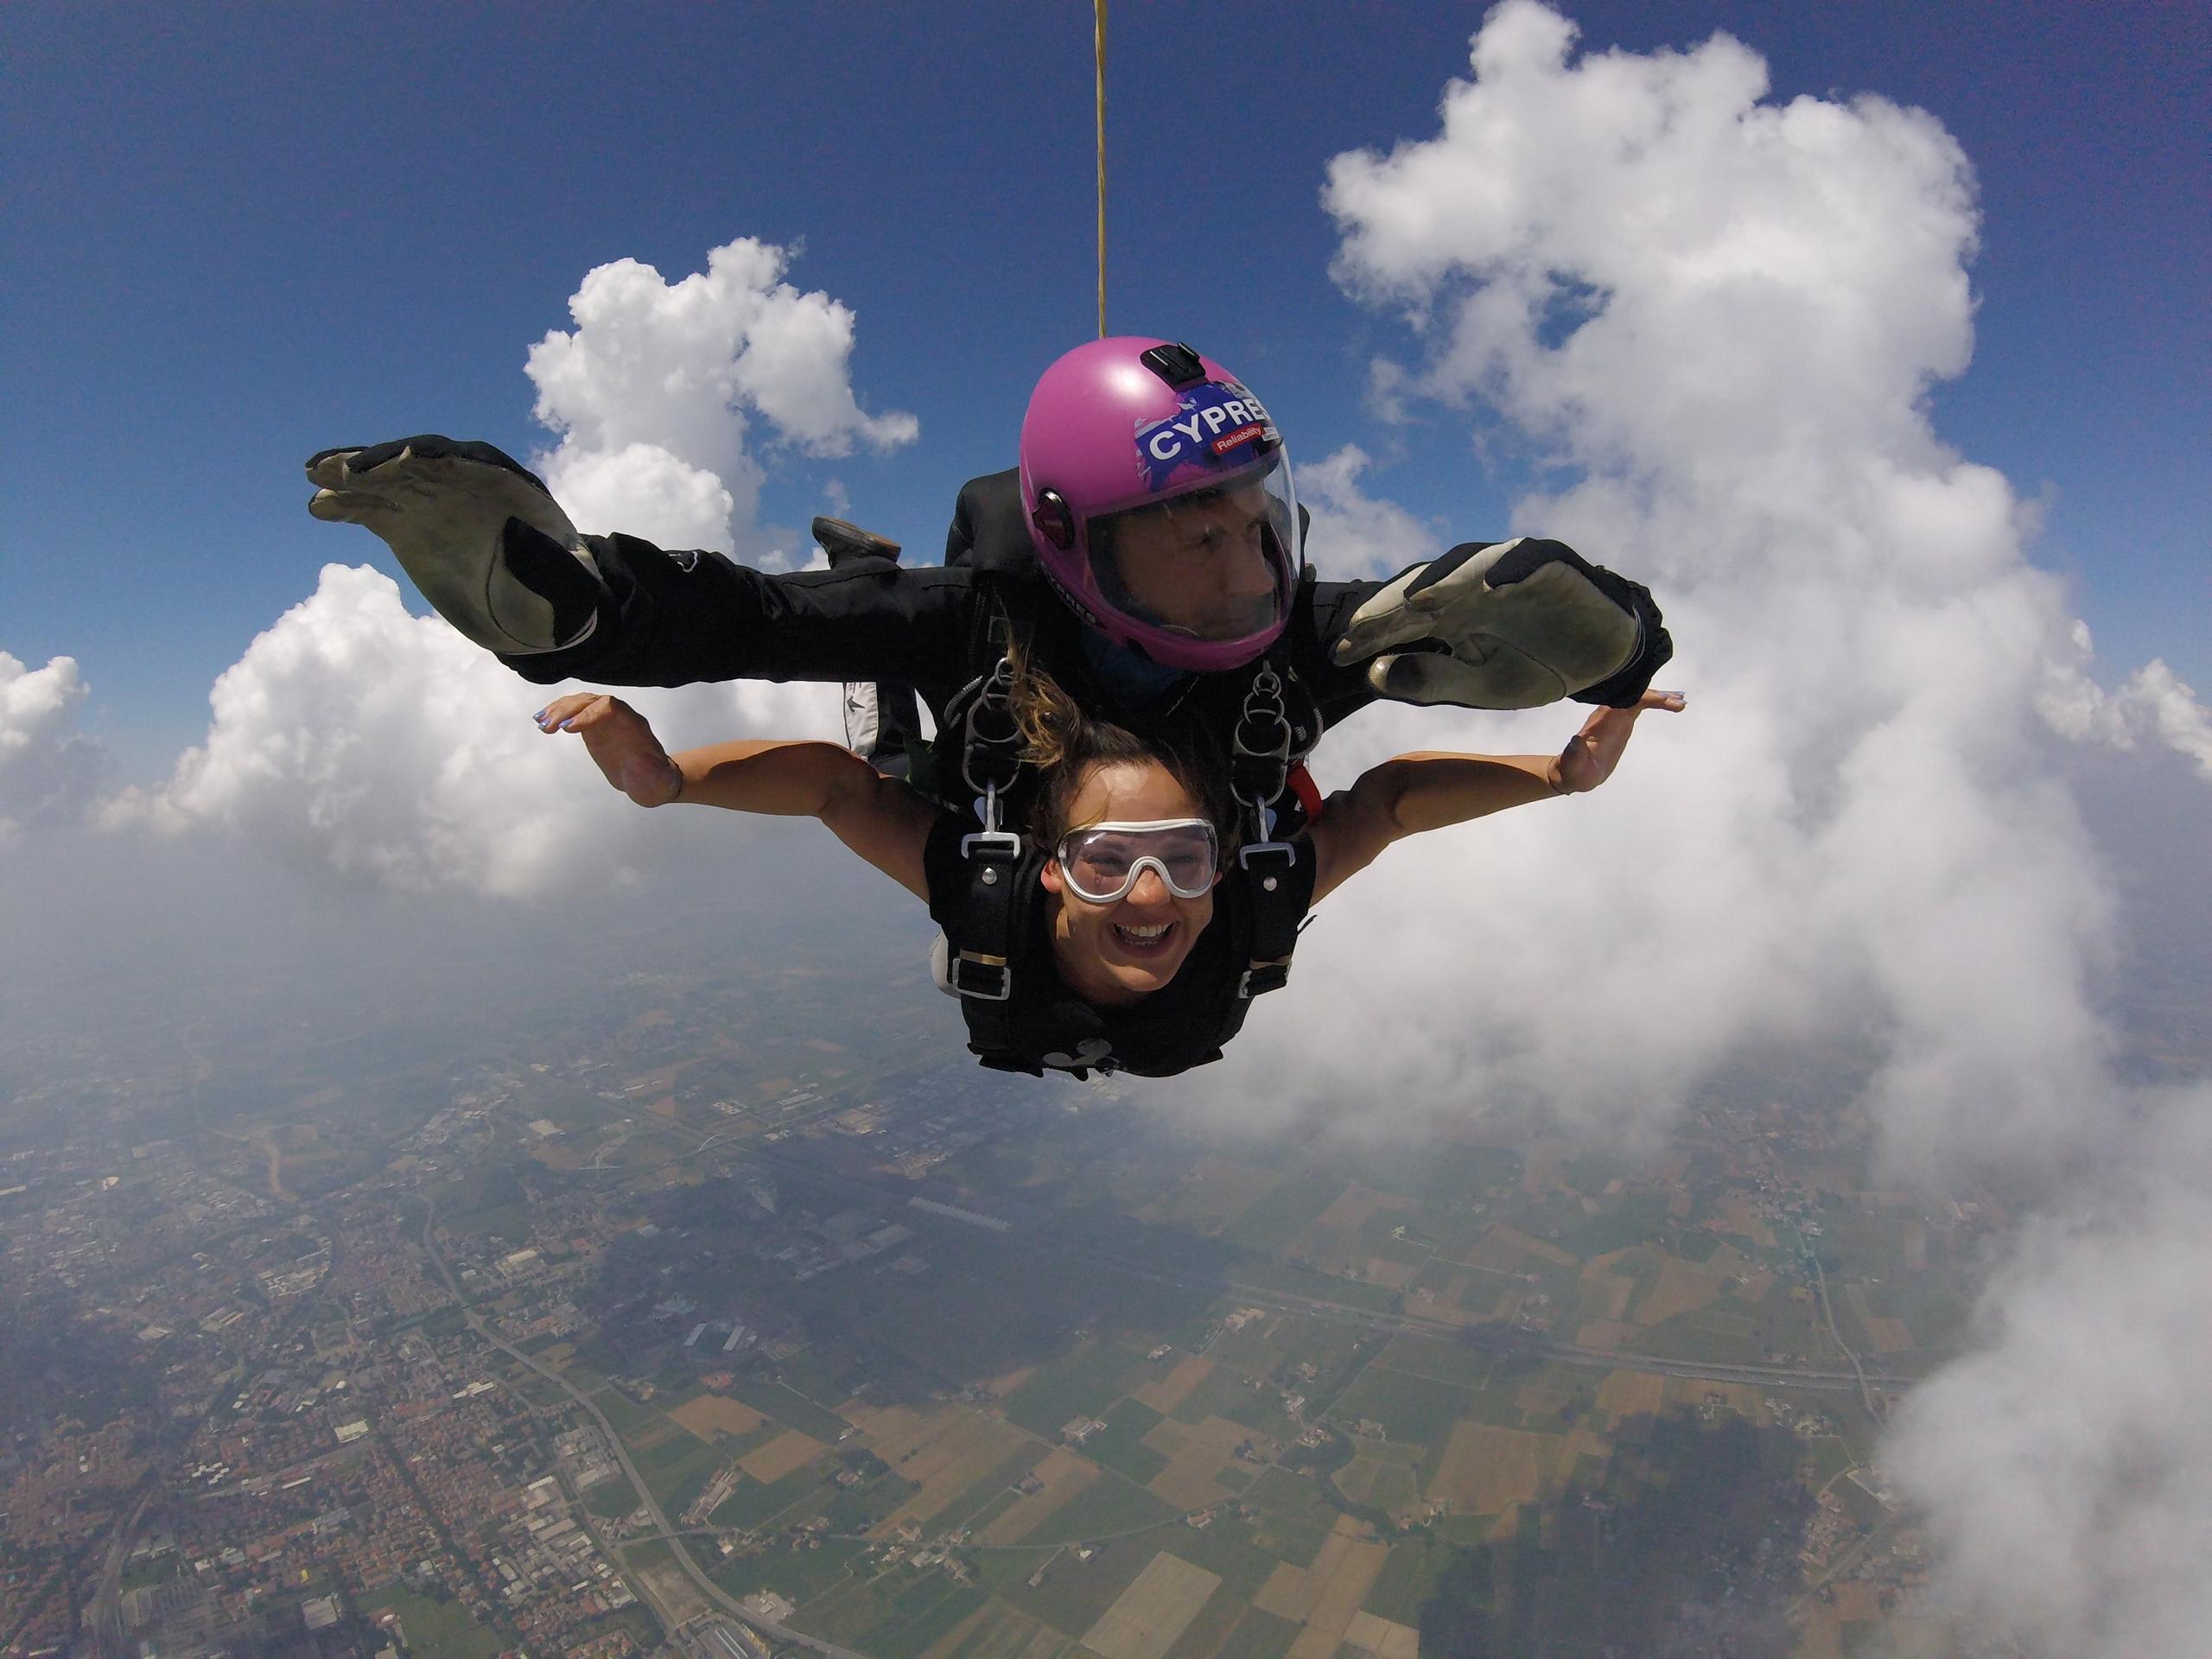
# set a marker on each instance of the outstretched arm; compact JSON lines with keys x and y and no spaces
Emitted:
{"x":1415,"y":792}
{"x":880,"y":818}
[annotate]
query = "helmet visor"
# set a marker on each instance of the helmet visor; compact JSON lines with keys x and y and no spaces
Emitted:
{"x":1215,"y":564}
{"x":1102,"y":862}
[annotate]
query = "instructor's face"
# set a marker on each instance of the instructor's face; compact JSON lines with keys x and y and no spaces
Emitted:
{"x":1201,"y":565}
{"x":1118,"y":952}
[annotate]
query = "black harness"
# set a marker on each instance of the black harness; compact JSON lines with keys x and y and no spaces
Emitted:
{"x":991,"y":942}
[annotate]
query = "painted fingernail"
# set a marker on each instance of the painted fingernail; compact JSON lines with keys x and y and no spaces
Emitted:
{"x":540,"y":715}
{"x":569,"y":724}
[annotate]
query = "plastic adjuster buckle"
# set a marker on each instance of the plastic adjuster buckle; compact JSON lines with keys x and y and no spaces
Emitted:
{"x":1262,"y":977}
{"x":1283,"y":853}
{"x":994,"y":979}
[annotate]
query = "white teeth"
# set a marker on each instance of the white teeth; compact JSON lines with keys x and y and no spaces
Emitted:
{"x":1152,"y":932}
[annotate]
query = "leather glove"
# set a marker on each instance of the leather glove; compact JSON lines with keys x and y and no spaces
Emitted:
{"x":1511,"y":625}
{"x":478,"y":534}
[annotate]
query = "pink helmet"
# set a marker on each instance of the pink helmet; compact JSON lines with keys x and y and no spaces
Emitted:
{"x":1159,"y":500}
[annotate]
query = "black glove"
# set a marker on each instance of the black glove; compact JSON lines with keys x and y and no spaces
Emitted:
{"x":477,"y":533}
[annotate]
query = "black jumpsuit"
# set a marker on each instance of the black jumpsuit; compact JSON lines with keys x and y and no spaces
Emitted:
{"x":675,"y":618}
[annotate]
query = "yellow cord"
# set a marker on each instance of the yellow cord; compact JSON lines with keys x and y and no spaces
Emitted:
{"x":1098,"y":53}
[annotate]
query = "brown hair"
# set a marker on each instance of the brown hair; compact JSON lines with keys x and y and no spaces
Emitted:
{"x":1065,"y":744}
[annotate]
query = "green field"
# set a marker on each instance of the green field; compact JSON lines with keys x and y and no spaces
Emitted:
{"x":1121,"y":1448}
{"x":436,"y":1629}
{"x":1416,"y":1408}
{"x":1281,"y":1212}
{"x":1083,"y":1384}
{"x":1108,"y":1505}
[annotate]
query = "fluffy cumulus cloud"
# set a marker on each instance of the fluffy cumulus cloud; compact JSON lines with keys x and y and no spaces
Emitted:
{"x":656,"y":392}
{"x":1353,"y":529}
{"x":382,"y":748}
{"x":48,"y":770}
{"x":1721,"y":315}
{"x":355,"y":739}
{"x":2066,"y":1461}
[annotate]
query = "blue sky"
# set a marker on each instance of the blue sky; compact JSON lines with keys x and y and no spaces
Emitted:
{"x":234,"y":237}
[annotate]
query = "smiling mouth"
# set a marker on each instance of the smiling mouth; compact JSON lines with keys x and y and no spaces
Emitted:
{"x":1151,"y":941}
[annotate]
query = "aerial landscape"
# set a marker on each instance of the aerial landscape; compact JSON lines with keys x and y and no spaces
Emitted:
{"x":485,"y":1171}
{"x":688,"y":1326}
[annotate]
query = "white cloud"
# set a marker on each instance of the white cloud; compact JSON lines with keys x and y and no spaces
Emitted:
{"x":1353,"y":532}
{"x":1724,"y":316}
{"x":654,"y":393}
{"x":47,"y":769}
{"x":384,"y":748}
{"x":2064,"y":1462}
{"x":1681,"y":288}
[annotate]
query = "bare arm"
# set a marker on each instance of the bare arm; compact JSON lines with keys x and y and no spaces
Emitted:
{"x":880,"y":818}
{"x":1412,"y":794}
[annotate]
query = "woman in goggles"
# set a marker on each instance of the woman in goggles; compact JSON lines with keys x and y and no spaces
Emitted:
{"x":1126,"y":840}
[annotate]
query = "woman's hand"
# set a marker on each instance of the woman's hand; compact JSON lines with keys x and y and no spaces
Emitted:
{"x":1593,"y":752}
{"x":621,"y":742}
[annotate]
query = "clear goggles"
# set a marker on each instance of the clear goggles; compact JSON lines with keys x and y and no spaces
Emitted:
{"x":1215,"y":564}
{"x":1101,"y":861}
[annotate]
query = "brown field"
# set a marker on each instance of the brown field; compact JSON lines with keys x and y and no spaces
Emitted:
{"x":1631,"y":1394}
{"x":1064,"y":1474}
{"x":1391,"y":1275}
{"x":1357,"y":1203}
{"x":1339,"y":1598}
{"x":1502,"y":1246}
{"x":1194,"y":1451}
{"x":1170,"y":1391}
{"x":1146,"y":1617}
{"x":881,"y":1423}
{"x":1890,"y":1334}
{"x":1606,"y":1333}
{"x":996,"y":1630}
{"x":1683,"y":1287}
{"x":665,"y":1107}
{"x":1006,"y":1384}
{"x":711,"y":1412}
{"x":658,"y":1081}
{"x":1210,"y":1194}
{"x":1679,"y":1202}
{"x":1381,"y":1638}
{"x":789,"y":1451}
{"x":960,"y":1448}
{"x":1486,"y":1467}
{"x":1738,"y":1217}
{"x":659,"y":1432}
{"x":1606,"y":1295}
{"x":1755,"y":1284}
{"x":776,"y":1085}
{"x":1293,"y":1592}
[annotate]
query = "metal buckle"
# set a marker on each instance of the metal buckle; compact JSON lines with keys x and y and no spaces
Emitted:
{"x":1268,"y":848}
{"x":1007,"y":841}
{"x":968,"y":961}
